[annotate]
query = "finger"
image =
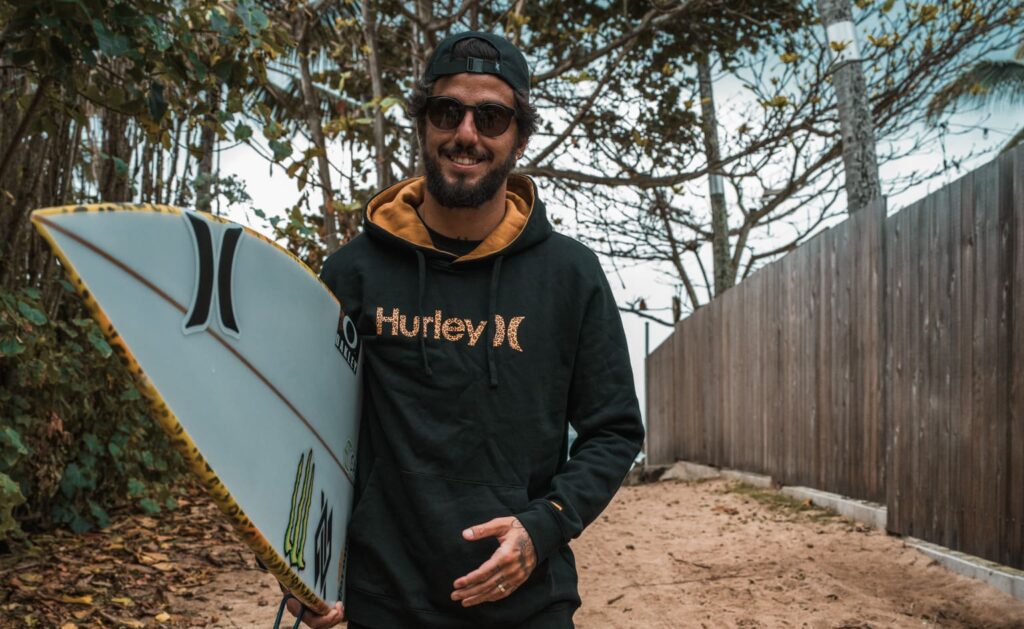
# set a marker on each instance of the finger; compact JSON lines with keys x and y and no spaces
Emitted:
{"x":492,"y":528}
{"x":484,"y":572}
{"x":482,"y":587}
{"x":493,"y":594}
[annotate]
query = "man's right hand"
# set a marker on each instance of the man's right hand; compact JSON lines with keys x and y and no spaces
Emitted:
{"x":330,"y":619}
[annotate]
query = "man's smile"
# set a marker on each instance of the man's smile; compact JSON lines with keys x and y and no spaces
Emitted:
{"x":466,"y":161}
{"x":462,"y":161}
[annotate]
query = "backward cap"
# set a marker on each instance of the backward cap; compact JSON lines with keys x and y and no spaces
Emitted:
{"x":511,"y":65}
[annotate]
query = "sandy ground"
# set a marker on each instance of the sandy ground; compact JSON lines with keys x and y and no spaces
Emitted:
{"x":716,"y":554}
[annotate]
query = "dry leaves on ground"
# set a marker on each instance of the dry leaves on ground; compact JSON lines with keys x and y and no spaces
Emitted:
{"x":141,"y":571}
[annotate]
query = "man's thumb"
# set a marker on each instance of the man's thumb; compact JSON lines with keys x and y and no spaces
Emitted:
{"x":480,"y":531}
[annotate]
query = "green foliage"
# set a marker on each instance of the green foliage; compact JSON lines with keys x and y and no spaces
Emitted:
{"x":143,"y":59}
{"x":10,"y":497}
{"x":75,"y":437}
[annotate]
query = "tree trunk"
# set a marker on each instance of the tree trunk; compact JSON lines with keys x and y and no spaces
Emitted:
{"x":181,"y":192}
{"x":208,"y":146}
{"x":724,"y":270}
{"x":855,"y":121}
{"x":422,"y":46}
{"x":380,"y":150}
{"x":114,"y":182}
{"x":71,"y":157}
{"x":311,"y":107}
{"x":19,"y":133}
{"x":18,"y":256}
{"x":146,"y":166}
{"x":170,"y":176}
{"x":517,"y":28}
{"x":158,"y":176}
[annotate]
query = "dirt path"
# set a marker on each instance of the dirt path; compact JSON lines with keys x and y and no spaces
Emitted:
{"x":666,"y":555}
{"x":719,"y":555}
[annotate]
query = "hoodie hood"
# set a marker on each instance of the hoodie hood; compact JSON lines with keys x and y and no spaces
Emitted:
{"x":391,"y":216}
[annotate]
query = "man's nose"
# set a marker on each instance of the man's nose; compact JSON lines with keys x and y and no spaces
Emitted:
{"x":465,"y":133}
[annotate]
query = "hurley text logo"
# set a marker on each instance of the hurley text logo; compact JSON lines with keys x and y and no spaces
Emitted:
{"x":454,"y":329}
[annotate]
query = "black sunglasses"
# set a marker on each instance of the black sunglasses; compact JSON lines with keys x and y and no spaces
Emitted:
{"x":491,"y":119}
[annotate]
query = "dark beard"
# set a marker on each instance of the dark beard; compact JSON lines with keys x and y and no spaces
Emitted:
{"x":459,"y":195}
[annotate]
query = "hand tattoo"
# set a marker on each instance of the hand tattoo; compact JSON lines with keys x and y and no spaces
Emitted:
{"x":524,"y":543}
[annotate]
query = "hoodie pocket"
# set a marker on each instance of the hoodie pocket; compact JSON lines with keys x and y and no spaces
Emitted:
{"x":407,"y":533}
{"x":439,"y":509}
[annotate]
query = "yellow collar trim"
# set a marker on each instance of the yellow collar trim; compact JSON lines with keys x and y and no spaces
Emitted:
{"x":394,"y":210}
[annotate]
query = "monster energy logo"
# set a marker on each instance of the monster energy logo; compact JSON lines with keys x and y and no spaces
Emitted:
{"x":298,"y":515}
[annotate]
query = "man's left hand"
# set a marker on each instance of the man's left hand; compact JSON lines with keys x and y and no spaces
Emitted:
{"x":508,"y":568}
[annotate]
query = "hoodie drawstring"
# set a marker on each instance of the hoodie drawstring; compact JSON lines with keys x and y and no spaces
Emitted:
{"x":492,"y":307}
{"x":422,"y":264}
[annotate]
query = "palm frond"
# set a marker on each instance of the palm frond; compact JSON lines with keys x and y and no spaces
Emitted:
{"x":984,"y":83}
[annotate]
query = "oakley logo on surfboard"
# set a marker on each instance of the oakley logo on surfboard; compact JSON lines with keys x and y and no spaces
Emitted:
{"x":209,"y":269}
{"x":346,"y":340}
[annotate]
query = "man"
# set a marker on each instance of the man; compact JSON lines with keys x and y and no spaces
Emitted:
{"x":485,"y":335}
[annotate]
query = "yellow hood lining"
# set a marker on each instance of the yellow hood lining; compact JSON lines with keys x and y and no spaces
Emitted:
{"x":394,"y":210}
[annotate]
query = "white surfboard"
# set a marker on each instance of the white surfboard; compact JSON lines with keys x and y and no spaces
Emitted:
{"x":249,"y":363}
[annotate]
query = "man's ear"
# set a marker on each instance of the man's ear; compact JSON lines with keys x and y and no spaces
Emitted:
{"x":522,"y":149}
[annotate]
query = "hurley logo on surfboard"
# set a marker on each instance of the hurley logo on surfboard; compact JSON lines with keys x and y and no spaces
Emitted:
{"x":207,"y":268}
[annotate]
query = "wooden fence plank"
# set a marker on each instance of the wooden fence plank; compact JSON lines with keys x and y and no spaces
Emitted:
{"x":984,"y":351}
{"x":823,"y":350}
{"x":929,"y":427}
{"x":954,"y":367}
{"x":1001,"y":421}
{"x":968,"y":429}
{"x":892,"y":368}
{"x":1015,"y":497}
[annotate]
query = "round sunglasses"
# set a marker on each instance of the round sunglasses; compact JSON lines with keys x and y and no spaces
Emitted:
{"x":491,"y":119}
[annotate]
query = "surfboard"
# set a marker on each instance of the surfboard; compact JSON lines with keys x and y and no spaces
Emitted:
{"x":249,"y":363}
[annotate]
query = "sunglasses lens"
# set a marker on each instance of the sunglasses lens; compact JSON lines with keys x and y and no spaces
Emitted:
{"x":492,"y":120}
{"x":445,"y":113}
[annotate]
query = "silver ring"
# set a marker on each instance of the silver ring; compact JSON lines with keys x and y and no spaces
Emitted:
{"x":501,"y":588}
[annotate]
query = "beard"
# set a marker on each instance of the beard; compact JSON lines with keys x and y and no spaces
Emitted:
{"x":459,"y":194}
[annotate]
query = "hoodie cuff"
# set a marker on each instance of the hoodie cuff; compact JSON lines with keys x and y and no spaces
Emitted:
{"x":540,"y":521}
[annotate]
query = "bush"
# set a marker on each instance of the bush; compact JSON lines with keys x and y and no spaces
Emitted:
{"x":76,"y":439}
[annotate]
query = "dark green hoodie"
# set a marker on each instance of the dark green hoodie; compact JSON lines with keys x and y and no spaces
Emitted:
{"x":474,"y":368}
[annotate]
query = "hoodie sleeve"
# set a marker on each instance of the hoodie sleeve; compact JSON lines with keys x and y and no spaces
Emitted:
{"x":604,"y":411}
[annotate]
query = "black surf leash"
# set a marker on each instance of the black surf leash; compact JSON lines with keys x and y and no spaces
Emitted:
{"x":280,"y":612}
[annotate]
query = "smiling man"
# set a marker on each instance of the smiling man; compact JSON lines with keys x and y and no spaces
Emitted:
{"x":485,"y":336}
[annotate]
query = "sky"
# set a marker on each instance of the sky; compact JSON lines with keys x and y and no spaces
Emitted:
{"x":271,"y":190}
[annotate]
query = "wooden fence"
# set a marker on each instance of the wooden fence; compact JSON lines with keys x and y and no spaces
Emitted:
{"x":882,"y":360}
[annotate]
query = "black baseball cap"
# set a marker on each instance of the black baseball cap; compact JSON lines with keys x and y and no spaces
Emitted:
{"x":510,"y":66}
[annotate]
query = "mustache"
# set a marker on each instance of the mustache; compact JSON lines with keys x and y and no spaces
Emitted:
{"x":460,"y":150}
